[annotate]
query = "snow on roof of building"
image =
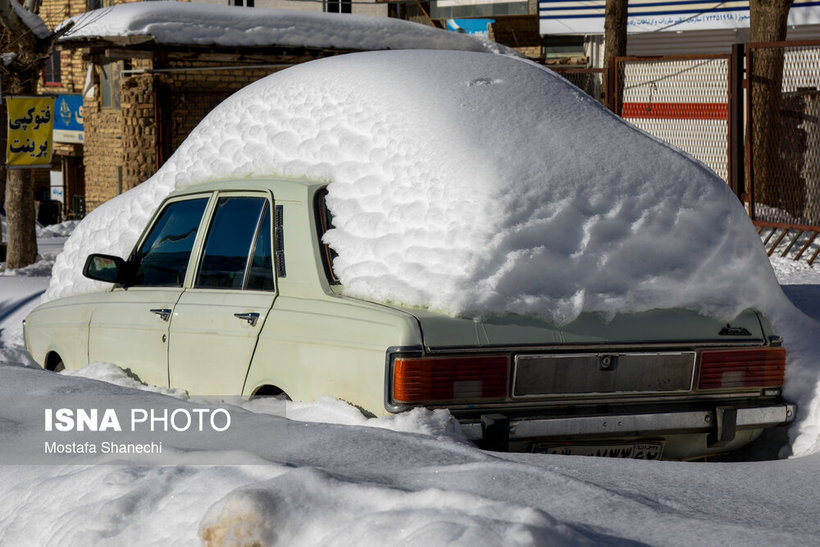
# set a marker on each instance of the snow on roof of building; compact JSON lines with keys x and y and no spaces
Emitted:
{"x":184,"y":23}
{"x":472,"y":184}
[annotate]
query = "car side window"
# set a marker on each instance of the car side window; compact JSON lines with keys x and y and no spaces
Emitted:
{"x":260,"y":275}
{"x":162,"y":259}
{"x":238,"y":246}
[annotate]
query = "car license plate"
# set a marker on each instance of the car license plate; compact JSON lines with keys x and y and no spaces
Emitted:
{"x":641,"y":450}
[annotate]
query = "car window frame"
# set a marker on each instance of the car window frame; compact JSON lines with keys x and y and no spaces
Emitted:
{"x":199,"y":247}
{"x":195,"y":249}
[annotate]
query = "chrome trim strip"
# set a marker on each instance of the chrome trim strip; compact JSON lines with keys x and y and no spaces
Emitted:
{"x":593,"y":399}
{"x":164,"y":313}
{"x":392,"y":352}
{"x":765,"y":416}
{"x":679,"y":345}
{"x":666,"y":423}
{"x":251,"y":317}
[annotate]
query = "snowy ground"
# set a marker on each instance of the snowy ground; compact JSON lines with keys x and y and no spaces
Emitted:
{"x":801,"y":283}
{"x":325,"y":475}
{"x":640,"y":235}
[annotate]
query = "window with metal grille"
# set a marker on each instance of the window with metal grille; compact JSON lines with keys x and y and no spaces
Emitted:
{"x":51,"y":70}
{"x":97,"y":4}
{"x":110,"y":76}
{"x":339,"y":6}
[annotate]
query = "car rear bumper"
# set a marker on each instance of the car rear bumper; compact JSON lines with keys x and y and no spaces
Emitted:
{"x":720,"y":424}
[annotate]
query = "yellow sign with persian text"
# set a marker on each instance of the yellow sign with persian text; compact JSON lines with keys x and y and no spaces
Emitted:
{"x":31,"y":123}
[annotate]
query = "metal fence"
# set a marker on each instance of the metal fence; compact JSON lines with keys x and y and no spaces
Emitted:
{"x":783,"y":146}
{"x":682,"y":100}
{"x":784,"y":133}
{"x":752,"y":116}
{"x":591,"y":80}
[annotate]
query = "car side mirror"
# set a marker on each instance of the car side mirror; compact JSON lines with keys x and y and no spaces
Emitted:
{"x":107,"y":268}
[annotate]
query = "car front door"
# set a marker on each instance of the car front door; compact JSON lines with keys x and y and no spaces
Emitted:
{"x":217,"y":321}
{"x":130,"y":327}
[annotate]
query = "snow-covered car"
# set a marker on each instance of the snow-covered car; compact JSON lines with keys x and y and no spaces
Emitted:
{"x":231,"y":291}
{"x":489,"y":252}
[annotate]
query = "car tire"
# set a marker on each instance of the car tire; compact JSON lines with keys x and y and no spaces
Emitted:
{"x":271,"y":392}
{"x":55,"y":363}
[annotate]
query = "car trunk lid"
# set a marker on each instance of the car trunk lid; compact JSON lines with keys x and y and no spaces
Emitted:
{"x":657,"y":328}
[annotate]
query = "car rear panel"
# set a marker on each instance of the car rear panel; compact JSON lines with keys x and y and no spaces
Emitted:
{"x":697,"y":386}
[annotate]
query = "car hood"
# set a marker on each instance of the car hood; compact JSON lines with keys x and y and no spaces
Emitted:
{"x":672,"y":327}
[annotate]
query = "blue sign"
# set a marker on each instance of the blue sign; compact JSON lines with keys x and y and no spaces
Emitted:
{"x":68,"y":118}
{"x":470,"y":26}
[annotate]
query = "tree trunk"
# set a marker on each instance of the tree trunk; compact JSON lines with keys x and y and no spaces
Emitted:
{"x":20,"y":77}
{"x":615,"y":29}
{"x":21,"y":247}
{"x":767,"y":24}
{"x":22,"y":238}
{"x":615,"y":46}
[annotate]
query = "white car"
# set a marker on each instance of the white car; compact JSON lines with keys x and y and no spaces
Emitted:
{"x":230,"y":291}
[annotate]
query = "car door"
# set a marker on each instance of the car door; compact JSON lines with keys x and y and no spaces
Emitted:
{"x":217,"y":321}
{"x":130,"y":327}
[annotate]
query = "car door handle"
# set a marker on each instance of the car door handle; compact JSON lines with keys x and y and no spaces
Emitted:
{"x":164,"y":313}
{"x":251,"y":318}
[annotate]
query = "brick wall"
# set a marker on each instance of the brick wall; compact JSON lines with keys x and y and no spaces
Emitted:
{"x":103,"y":158}
{"x":72,"y":67}
{"x":138,"y":130}
{"x":197,"y":88}
{"x":121,"y":146}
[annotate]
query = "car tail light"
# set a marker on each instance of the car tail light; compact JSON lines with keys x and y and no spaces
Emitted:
{"x":740,"y":368}
{"x":446,"y":379}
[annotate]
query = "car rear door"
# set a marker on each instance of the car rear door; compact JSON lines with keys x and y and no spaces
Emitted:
{"x":130,"y":327}
{"x":216,"y":322}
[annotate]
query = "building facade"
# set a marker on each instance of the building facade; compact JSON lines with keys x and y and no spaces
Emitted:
{"x":136,"y":100}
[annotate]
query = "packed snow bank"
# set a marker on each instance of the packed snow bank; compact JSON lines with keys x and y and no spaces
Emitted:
{"x":370,"y":514}
{"x":494,"y":194}
{"x":50,"y":240}
{"x":112,"y":374}
{"x":200,"y":24}
{"x":63,"y":229}
{"x":438,"y":423}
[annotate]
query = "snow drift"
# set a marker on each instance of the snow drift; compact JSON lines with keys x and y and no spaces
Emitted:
{"x":469,"y":183}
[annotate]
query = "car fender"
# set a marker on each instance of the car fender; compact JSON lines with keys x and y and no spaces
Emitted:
{"x":60,"y":327}
{"x":309,"y":348}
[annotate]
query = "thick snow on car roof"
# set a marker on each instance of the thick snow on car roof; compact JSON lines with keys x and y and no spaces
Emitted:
{"x":184,"y":23}
{"x":470,"y":183}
